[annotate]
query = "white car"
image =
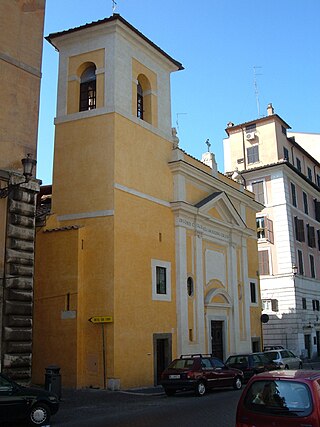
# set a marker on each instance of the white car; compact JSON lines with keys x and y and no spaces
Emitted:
{"x":284,"y":359}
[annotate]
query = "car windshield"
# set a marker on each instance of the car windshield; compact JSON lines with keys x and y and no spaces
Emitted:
{"x":290,"y":398}
{"x":181,"y":364}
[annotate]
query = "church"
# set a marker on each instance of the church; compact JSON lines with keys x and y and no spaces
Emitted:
{"x":144,"y":253}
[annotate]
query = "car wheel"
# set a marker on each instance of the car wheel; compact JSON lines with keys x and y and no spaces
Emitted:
{"x":39,"y":414}
{"x":237,"y":383}
{"x":286,"y":367}
{"x":169,"y":391}
{"x":200,"y":388}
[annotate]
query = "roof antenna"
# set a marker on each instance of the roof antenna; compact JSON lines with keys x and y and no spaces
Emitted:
{"x":114,"y":5}
{"x":256,"y":87}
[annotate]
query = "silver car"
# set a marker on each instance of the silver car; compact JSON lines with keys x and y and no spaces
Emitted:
{"x":284,"y":359}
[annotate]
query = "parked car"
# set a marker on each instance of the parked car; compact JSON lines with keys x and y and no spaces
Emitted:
{"x":250,"y":363}
{"x":199,"y":372}
{"x":280,"y":398}
{"x":284,"y":359}
{"x":25,"y":403}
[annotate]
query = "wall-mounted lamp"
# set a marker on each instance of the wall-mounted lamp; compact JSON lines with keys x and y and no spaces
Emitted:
{"x":294,"y":269}
{"x":28,"y":167}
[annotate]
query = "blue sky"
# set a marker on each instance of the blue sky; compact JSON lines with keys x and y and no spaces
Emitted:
{"x":219,"y":43}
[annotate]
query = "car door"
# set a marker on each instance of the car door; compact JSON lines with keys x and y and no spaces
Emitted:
{"x":286,"y":359}
{"x":12,"y":405}
{"x":293,"y":360}
{"x":224,"y":376}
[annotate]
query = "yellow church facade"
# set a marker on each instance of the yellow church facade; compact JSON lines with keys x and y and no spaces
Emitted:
{"x":140,"y":234}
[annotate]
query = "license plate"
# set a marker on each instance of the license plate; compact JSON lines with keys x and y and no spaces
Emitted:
{"x":174,"y":377}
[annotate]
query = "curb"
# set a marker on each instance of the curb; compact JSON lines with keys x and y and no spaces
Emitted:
{"x":143,"y":392}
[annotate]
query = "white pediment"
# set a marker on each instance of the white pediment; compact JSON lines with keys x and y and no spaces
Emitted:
{"x":224,"y":207}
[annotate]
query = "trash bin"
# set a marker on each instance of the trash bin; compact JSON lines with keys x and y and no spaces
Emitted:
{"x":53,"y":380}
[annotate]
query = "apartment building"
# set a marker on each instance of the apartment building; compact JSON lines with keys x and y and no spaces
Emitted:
{"x":285,"y":178}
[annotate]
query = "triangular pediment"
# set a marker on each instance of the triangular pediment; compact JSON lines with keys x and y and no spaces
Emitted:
{"x":218,"y":205}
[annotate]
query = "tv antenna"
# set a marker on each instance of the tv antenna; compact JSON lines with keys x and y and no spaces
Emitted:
{"x":255,"y":83}
{"x":114,"y":5}
{"x":177,"y":121}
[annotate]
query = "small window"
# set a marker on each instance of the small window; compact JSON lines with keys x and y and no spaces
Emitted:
{"x":258,"y":190}
{"x":270,"y":305}
{"x":300,"y":263}
{"x":309,"y":173}
{"x":139,"y":101}
{"x":305,"y":202}
{"x":317,"y":210}
{"x":285,"y":153}
{"x":190,"y":289}
{"x":161,"y":280}
{"x":315,"y":305}
{"x":293,"y":195}
{"x":299,"y":229}
{"x":88,"y":89}
{"x":265,"y":229}
{"x":283,"y":130}
{"x":318,"y":235}
{"x":298,"y":161}
{"x":311,"y":236}
{"x":253,"y":154}
{"x":312,"y":269}
{"x":304,"y":303}
{"x":253,"y":293}
{"x":251,"y":128}
{"x":318,"y":180}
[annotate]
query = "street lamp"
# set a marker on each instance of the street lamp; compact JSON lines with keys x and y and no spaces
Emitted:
{"x":28,"y":164}
{"x":294,"y":269}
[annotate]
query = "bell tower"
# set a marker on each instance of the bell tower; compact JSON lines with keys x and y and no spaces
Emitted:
{"x":112,"y":81}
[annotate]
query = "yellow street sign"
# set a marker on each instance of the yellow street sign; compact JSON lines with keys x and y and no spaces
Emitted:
{"x":101,"y":319}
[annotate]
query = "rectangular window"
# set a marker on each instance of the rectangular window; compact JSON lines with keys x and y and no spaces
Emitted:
{"x":251,"y":128}
{"x":305,"y":202}
{"x":265,"y":228}
{"x":311,"y":236}
{"x":253,"y":154}
{"x":285,"y":154}
{"x":293,"y":195}
{"x":318,"y":235}
{"x":284,"y":130}
{"x":300,"y":262}
{"x":298,"y":164}
{"x":304,"y":303}
{"x":253,"y":292}
{"x":258,"y":190}
{"x":309,"y":173}
{"x":161,"y":280}
{"x":264,"y":268}
{"x":299,"y":228}
{"x":317,"y":210}
{"x":312,"y":270}
{"x":270,"y":305}
{"x":315,"y":305}
{"x":318,"y":180}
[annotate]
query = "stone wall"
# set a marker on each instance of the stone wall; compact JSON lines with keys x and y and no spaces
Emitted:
{"x":16,"y":346}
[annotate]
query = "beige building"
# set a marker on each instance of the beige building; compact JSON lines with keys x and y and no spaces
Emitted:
{"x":21,"y":40}
{"x":141,"y":235}
{"x":285,"y":177}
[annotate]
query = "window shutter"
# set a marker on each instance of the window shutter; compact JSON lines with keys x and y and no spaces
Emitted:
{"x":270,"y":230}
{"x":274,"y":305}
{"x":264,"y":263}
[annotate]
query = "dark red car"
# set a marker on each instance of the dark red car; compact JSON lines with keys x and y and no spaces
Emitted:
{"x":281,"y":399}
{"x":199,"y":372}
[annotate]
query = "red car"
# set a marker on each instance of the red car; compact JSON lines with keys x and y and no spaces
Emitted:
{"x":281,"y":399}
{"x":199,"y":372}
